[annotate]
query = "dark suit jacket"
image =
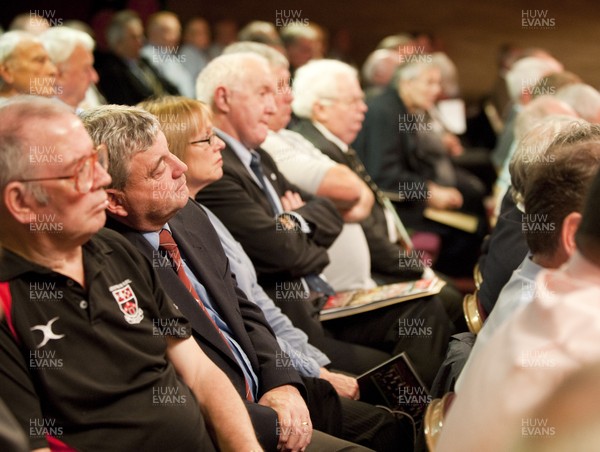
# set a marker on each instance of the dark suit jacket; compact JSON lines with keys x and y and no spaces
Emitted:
{"x":502,"y":252}
{"x":120,"y":86}
{"x":201,"y":249}
{"x":384,"y":254}
{"x":243,"y":207}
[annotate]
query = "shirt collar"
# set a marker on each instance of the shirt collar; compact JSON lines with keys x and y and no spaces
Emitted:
{"x":330,"y":136}
{"x":153,"y":237}
{"x":242,"y":152}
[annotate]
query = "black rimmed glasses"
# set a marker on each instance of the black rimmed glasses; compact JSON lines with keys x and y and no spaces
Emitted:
{"x":211,"y":140}
{"x":85,"y":171}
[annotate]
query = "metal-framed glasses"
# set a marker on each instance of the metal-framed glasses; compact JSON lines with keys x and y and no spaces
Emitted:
{"x":211,"y":140}
{"x":85,"y":171}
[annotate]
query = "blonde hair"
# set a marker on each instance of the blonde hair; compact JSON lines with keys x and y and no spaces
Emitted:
{"x":180,"y":119}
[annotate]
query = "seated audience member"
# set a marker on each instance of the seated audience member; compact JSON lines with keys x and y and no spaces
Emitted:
{"x":126,"y":77}
{"x":94,"y":349}
{"x":533,"y":351}
{"x":301,"y":44}
{"x":162,"y":51}
{"x":378,"y":70}
{"x":553,"y":199}
{"x":231,"y":330}
{"x":25,"y":67}
{"x":205,"y":168}
{"x":539,"y":108}
{"x":261,"y":32}
{"x":505,"y":248}
{"x":350,"y":264}
{"x":389,"y":147}
{"x":72,"y":52}
{"x":31,"y":22}
{"x":521,"y":80}
{"x":584,"y":99}
{"x":224,"y":33}
{"x":251,"y":199}
{"x":196,"y":42}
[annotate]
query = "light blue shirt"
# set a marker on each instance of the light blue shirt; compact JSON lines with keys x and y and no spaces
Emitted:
{"x":306,"y":359}
{"x":154,"y":239}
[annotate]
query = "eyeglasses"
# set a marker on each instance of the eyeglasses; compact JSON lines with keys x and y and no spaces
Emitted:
{"x":211,"y":140}
{"x":85,"y":171}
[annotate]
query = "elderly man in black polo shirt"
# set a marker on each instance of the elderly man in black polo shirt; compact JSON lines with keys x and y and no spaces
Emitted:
{"x":85,"y":363}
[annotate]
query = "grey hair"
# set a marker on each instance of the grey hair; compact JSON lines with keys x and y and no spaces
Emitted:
{"x":60,"y":42}
{"x":276,"y":59}
{"x":377,"y":63}
{"x":125,"y":131}
{"x":533,"y":145}
{"x":116,"y":28}
{"x":9,"y":42}
{"x":538,"y":109}
{"x":315,"y":80}
{"x":18,"y":116}
{"x":526,"y":72}
{"x":584,"y":99}
{"x":225,"y":70}
{"x":293,"y":32}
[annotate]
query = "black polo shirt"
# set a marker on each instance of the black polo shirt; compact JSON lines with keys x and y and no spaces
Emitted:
{"x":87,"y":366}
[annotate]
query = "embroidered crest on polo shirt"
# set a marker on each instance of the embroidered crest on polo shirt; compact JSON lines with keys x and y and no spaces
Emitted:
{"x":47,"y":332}
{"x":127,"y":301}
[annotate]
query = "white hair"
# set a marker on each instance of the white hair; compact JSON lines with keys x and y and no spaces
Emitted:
{"x":527,"y":72}
{"x":315,"y":80}
{"x":378,"y":64}
{"x":11,"y":39}
{"x":225,"y":70}
{"x":584,"y":99}
{"x":276,"y":59}
{"x":449,"y":74}
{"x":538,"y":109}
{"x":60,"y":42}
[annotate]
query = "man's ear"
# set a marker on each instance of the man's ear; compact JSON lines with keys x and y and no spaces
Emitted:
{"x":116,"y":203}
{"x":319,"y":112}
{"x":569,"y":228}
{"x":6,"y":74}
{"x":221,"y":99}
{"x":19,"y":202}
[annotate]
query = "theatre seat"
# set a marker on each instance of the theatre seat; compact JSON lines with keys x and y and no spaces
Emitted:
{"x":434,"y":419}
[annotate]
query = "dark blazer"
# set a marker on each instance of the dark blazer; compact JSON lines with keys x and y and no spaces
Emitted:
{"x":120,"y":86}
{"x":243,"y":207}
{"x":201,"y":249}
{"x":384,"y":254}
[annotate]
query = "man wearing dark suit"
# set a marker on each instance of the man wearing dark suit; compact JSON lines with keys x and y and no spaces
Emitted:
{"x":148,"y":204}
{"x":282,"y":233}
{"x":126,"y":78}
{"x":388,"y":145}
